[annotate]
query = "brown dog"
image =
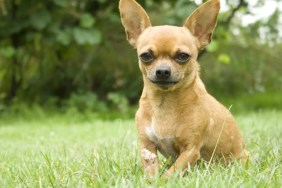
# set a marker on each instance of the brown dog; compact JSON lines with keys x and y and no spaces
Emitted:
{"x":177,"y":116}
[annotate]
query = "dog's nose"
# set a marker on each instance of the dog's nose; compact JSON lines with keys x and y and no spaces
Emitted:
{"x":163,"y":72}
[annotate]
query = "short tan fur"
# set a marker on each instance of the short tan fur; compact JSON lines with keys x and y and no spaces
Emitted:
{"x":176,"y":115}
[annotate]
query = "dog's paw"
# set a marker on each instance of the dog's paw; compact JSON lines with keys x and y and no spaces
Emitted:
{"x":150,"y":163}
{"x":149,"y":157}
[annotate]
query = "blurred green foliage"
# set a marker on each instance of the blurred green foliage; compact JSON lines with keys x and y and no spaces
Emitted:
{"x":74,"y":53}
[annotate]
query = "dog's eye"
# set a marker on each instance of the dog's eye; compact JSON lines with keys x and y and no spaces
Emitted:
{"x":146,"y":57}
{"x":182,"y":57}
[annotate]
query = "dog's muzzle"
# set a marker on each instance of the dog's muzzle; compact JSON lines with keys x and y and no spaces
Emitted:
{"x":163,"y":77}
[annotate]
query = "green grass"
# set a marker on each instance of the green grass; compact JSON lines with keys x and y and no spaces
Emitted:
{"x":62,"y":152}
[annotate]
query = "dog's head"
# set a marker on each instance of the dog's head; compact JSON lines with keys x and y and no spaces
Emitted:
{"x":168,"y":54}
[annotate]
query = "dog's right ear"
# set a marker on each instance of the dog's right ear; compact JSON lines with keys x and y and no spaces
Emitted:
{"x":134,"y":19}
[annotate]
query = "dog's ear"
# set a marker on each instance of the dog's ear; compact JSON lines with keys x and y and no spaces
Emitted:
{"x":134,"y":19}
{"x":203,"y":21}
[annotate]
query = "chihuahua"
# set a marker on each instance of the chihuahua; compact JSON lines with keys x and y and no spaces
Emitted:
{"x":176,"y":115}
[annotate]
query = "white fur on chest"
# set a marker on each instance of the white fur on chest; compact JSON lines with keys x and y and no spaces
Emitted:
{"x":165,"y":144}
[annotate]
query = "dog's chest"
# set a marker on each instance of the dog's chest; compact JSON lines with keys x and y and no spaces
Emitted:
{"x":165,"y":142}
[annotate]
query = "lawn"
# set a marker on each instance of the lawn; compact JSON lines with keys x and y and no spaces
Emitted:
{"x":63,"y":152}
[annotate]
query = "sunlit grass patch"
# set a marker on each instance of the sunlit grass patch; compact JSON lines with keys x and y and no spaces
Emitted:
{"x":57,"y":152}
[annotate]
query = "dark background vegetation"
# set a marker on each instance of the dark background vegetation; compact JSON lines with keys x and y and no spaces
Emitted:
{"x":73,"y":54}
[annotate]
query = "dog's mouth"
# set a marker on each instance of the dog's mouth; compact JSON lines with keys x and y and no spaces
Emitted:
{"x":163,"y":83}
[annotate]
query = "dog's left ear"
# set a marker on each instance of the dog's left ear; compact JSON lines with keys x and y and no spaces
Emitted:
{"x":203,"y":21}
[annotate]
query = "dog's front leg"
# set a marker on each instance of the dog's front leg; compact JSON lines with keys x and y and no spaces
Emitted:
{"x":149,"y":159}
{"x":186,"y":157}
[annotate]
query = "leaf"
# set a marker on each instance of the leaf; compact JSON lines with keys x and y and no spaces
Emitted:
{"x":213,"y":46}
{"x":87,"y":36}
{"x":7,"y":51}
{"x":224,"y":58}
{"x":64,"y":36}
{"x":86,"y":20}
{"x":61,"y":3}
{"x":40,"y":20}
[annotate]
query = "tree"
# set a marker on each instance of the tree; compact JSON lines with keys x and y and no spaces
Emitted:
{"x":53,"y":48}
